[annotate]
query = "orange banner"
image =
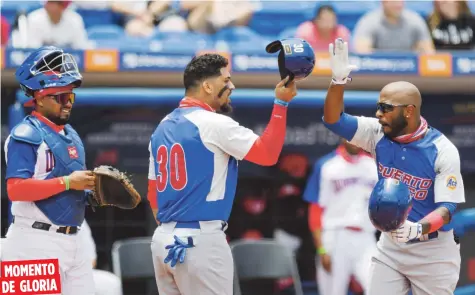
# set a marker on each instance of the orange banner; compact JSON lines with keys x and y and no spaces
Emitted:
{"x":322,"y":64}
{"x":435,"y":65}
{"x":101,"y":60}
{"x":30,"y":277}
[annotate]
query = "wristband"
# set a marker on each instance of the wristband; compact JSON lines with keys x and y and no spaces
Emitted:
{"x":281,"y":102}
{"x":66,"y":181}
{"x":321,"y":251}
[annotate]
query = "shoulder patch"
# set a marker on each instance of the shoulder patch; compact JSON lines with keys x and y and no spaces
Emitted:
{"x":27,"y":133}
{"x":451,"y":182}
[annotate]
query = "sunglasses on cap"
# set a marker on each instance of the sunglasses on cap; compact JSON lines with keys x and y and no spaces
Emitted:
{"x":387,"y":107}
{"x":64,"y":98}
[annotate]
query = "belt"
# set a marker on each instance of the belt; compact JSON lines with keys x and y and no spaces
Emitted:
{"x":67,"y":230}
{"x":194,"y":224}
{"x":427,"y":237}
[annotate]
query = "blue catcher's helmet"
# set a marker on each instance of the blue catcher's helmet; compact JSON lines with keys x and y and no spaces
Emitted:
{"x":389,"y":204}
{"x":45,"y":68}
{"x":296,"y":57}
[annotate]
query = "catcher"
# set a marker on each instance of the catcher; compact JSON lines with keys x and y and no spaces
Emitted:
{"x":46,"y":174}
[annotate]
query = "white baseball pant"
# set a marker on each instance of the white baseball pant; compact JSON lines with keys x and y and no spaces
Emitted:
{"x":429,"y":267}
{"x":23,"y":242}
{"x":208,"y":267}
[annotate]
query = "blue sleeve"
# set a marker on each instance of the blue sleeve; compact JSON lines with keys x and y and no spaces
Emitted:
{"x":21,"y":159}
{"x":345,"y":127}
{"x":312,"y":189}
{"x":450,"y":206}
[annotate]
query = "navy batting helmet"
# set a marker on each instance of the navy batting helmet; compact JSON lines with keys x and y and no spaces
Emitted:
{"x":296,"y":58}
{"x":389,"y":204}
{"x":46,"y":69}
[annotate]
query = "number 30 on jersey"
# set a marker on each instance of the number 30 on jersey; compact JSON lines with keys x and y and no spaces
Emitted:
{"x":171,"y":167}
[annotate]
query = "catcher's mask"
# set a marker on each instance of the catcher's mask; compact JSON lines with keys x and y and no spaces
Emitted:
{"x":389,"y":204}
{"x":46,"y":69}
{"x":296,"y":58}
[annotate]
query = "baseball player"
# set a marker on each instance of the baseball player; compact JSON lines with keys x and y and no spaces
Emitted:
{"x":338,"y":191}
{"x":422,"y":254}
{"x":194,"y":154}
{"x":46,"y":175}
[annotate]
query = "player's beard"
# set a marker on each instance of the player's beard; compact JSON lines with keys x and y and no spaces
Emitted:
{"x":58,"y":120}
{"x":225,"y":108}
{"x":397,"y":126}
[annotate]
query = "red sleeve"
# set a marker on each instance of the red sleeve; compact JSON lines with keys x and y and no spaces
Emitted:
{"x":267,"y":147}
{"x":29,"y":190}
{"x":152,"y":194}
{"x":5,"y":31}
{"x":315,"y":217}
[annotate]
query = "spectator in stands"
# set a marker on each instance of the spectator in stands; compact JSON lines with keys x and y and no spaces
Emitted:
{"x":142,"y":17}
{"x":392,"y":28}
{"x":452,"y":25}
{"x":55,"y":24}
{"x":5,"y":31}
{"x":211,"y":16}
{"x":323,"y":29}
{"x":105,"y":282}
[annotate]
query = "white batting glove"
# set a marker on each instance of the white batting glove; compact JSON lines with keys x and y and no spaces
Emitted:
{"x":339,"y":62}
{"x":406,"y":232}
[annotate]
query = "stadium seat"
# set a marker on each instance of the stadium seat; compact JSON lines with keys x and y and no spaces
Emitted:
{"x":105,"y":32}
{"x":182,"y":42}
{"x":263,"y":259}
{"x":132,"y":258}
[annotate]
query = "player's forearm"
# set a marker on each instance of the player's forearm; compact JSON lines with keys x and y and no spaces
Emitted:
{"x":266,"y":149}
{"x":29,"y":190}
{"x":435,"y":220}
{"x":333,"y":103}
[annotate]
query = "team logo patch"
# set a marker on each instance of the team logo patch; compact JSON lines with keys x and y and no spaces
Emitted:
{"x":73,"y":153}
{"x":287,"y":49}
{"x":451,"y":182}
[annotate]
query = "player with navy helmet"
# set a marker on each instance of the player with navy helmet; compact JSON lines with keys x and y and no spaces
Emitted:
{"x":46,"y":174}
{"x":422,"y":253}
{"x":193,"y":171}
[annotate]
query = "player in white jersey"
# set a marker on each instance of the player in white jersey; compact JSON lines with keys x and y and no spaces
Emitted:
{"x":422,"y":254}
{"x":338,"y":191}
{"x":46,"y":173}
{"x":194,"y":154}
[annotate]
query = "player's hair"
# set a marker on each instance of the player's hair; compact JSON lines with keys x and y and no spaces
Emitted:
{"x":203,"y":67}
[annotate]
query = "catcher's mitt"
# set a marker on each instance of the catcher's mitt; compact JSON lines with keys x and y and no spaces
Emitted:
{"x":113,"y":188}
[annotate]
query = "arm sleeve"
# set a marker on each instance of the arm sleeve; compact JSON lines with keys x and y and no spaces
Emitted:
{"x":312,"y":189}
{"x":361,"y":131}
{"x":448,"y":186}
{"x":152,"y":180}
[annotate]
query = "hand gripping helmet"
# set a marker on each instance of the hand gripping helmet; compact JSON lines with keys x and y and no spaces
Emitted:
{"x":296,"y":58}
{"x":389,"y":204}
{"x":47,"y":70}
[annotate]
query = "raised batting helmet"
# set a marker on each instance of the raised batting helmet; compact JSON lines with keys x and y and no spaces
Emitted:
{"x":296,"y":58}
{"x":46,"y":70}
{"x":389,"y":204}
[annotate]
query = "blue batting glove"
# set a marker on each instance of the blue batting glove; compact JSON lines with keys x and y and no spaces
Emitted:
{"x":177,"y":251}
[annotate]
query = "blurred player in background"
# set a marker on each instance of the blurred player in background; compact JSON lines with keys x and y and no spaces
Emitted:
{"x":423,"y":253}
{"x":338,"y":191}
{"x":106,"y":283}
{"x":194,"y":154}
{"x":46,"y":172}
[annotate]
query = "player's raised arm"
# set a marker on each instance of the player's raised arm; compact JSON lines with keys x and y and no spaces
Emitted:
{"x":361,"y":131}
